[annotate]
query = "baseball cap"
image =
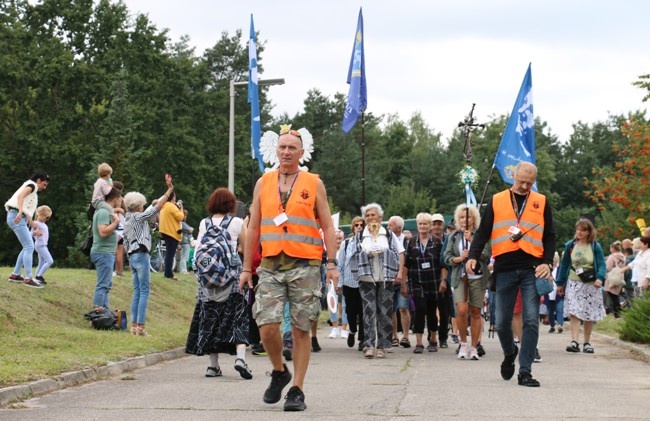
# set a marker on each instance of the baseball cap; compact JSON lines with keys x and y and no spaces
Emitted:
{"x":438,"y":217}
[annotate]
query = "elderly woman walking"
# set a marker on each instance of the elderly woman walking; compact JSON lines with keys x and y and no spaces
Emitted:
{"x":137,"y":240}
{"x":378,"y":261}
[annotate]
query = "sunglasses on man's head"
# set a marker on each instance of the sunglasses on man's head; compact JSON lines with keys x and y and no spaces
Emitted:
{"x":291,"y":132}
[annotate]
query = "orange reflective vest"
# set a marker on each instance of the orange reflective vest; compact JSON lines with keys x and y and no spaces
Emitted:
{"x":531,"y":223}
{"x":298,"y":236}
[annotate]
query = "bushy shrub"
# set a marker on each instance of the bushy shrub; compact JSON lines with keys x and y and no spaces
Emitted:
{"x":635,"y":326}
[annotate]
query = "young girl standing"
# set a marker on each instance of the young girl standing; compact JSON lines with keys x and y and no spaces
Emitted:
{"x":41,"y":235}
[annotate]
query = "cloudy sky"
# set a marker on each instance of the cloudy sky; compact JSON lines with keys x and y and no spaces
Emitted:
{"x":438,"y":57}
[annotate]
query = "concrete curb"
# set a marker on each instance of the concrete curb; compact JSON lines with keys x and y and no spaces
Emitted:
{"x":19,"y":393}
{"x":640,"y":351}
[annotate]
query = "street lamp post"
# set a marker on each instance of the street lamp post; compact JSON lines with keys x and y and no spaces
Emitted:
{"x":231,"y":137}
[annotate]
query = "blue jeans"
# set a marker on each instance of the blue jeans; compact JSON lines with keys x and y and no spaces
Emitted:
{"x":26,"y":256}
{"x":139,"y":263}
{"x":104,"y":263}
{"x":508,"y":283}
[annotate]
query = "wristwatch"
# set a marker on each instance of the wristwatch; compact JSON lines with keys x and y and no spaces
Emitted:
{"x":336,"y":262}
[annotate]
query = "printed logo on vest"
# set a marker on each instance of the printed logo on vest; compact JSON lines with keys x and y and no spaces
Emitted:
{"x":304,"y":194}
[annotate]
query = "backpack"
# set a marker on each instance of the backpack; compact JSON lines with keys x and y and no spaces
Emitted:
{"x":216,"y":264}
{"x":104,"y":319}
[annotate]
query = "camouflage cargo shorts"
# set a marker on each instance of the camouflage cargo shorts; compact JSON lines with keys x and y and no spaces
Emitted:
{"x":300,"y":286}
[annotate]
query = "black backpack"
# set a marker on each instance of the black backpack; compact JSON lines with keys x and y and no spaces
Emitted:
{"x":104,"y":319}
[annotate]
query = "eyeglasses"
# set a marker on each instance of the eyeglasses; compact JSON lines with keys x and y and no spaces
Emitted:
{"x":358,"y":225}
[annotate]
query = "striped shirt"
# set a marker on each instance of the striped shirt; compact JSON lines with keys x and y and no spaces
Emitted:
{"x":344,"y":255}
{"x":136,"y":229}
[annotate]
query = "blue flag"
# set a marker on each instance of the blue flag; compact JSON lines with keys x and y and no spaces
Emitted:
{"x":254,"y":99}
{"x":518,"y":141}
{"x":357,"y":97}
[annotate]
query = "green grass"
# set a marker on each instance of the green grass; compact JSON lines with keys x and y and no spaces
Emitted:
{"x":43,"y":332}
{"x":609,"y":326}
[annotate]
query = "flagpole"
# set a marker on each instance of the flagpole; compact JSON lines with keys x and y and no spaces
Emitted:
{"x":487,"y":184}
{"x":363,"y":159}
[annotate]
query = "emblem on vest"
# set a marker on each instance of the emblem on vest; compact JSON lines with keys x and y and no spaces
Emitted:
{"x":536,"y":204}
{"x":304,"y":194}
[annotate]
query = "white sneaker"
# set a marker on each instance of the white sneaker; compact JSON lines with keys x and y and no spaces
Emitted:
{"x":335,"y":333}
{"x":463,"y":352}
{"x":345,"y":334}
{"x":473,"y":354}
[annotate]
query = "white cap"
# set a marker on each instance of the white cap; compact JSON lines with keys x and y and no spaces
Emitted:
{"x":438,"y":217}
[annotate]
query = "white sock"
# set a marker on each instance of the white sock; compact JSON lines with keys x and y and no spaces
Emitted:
{"x":214,"y":360}
{"x":241,"y":353}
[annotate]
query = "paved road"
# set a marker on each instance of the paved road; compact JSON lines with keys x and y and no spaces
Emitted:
{"x":341,"y":385}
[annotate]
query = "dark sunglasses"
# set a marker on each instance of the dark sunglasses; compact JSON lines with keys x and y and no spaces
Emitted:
{"x":358,"y":225}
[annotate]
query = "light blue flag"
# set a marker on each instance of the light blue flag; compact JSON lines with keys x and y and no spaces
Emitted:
{"x":254,"y":99}
{"x":357,"y":97}
{"x":518,"y":141}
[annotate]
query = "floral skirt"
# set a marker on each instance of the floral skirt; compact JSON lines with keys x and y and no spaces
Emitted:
{"x":584,"y":301}
{"x":218,"y":327}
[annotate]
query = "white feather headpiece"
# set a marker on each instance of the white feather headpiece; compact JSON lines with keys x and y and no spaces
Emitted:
{"x":269,"y":147}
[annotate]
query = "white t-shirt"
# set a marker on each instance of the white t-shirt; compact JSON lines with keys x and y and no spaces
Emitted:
{"x":234,"y":229}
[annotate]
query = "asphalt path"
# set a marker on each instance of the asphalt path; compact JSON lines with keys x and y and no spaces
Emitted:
{"x":613,"y":383}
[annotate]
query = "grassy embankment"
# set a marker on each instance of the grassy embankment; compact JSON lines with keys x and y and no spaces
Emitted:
{"x":43,"y":332}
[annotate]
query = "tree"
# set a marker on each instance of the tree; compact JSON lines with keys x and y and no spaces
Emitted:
{"x":626,"y":181}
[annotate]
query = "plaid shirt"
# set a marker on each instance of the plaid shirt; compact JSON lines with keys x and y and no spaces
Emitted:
{"x":360,"y":261}
{"x":424,"y":265}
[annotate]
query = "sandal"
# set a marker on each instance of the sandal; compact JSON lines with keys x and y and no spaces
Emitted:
{"x":405,"y":342}
{"x":433,"y":347}
{"x":395,"y":342}
{"x":418,"y":349}
{"x":587,"y":348}
{"x":380,"y":354}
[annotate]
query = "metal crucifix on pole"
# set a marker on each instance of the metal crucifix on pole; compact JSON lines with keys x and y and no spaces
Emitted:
{"x":469,"y":177}
{"x":469,"y":124}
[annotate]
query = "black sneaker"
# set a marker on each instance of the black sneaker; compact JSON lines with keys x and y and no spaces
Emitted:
{"x":574,"y":347}
{"x":287,"y":352}
{"x":508,"y":365}
{"x":242,"y":368}
{"x":350,"y":340}
{"x":258,"y":350}
{"x":315,"y":347}
{"x":279,"y":379}
{"x":480,"y":350}
{"x":538,"y":357}
{"x":40,"y":280}
{"x":526,"y":379}
{"x":213,"y":372}
{"x":295,"y":400}
{"x":443,"y":344}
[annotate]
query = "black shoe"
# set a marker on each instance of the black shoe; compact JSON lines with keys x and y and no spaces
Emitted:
{"x":259,"y":350}
{"x":314,"y":344}
{"x":41,"y":280}
{"x":508,"y":365}
{"x":526,"y":379}
{"x":574,"y":347}
{"x":295,"y":400}
{"x":279,"y":379}
{"x":360,"y":346}
{"x":350,"y":340}
{"x":287,"y":352}
{"x":480,"y":350}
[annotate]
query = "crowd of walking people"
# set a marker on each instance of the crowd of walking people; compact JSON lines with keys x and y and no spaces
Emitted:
{"x":281,"y":259}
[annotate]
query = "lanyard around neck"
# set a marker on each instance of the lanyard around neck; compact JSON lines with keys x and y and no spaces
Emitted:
{"x":518,"y":212}
{"x":283,"y":203}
